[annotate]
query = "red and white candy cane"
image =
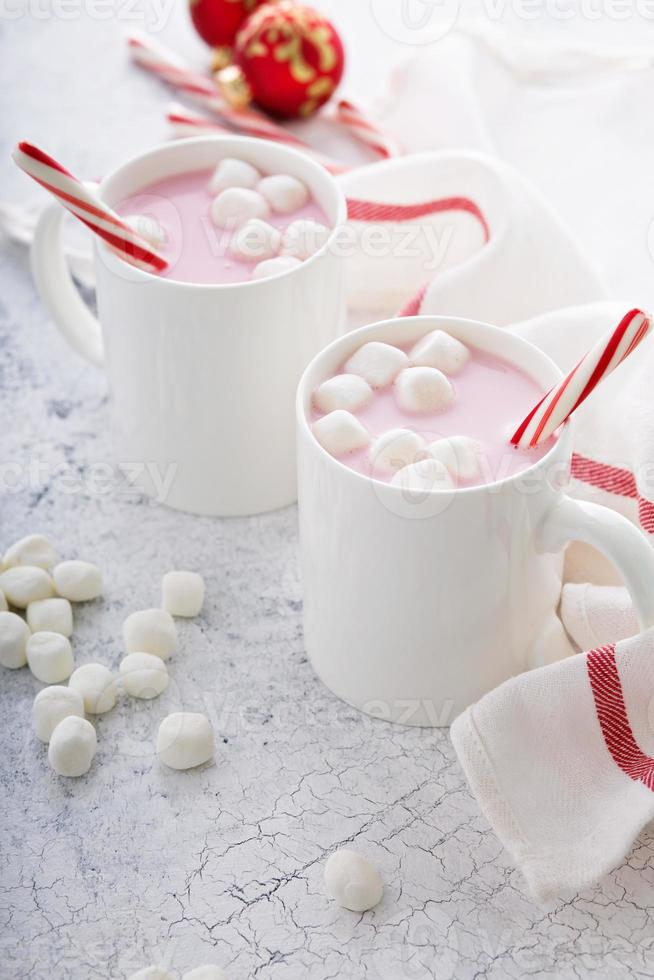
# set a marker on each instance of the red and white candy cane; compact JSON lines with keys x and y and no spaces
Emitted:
{"x":563,"y":399}
{"x":359,"y":124}
{"x":77,"y":198}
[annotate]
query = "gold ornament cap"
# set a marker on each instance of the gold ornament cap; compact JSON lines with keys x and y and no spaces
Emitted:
{"x":221,"y":58}
{"x":234,"y":87}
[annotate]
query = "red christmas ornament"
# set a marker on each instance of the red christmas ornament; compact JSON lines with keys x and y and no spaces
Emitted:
{"x":217,"y":21}
{"x":286,"y":58}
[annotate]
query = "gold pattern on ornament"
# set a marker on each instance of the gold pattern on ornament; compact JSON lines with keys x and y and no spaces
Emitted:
{"x":318,"y":92}
{"x":285,"y":41}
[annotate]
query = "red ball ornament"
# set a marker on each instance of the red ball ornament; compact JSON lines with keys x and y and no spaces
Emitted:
{"x":287,"y":58}
{"x":217,"y":21}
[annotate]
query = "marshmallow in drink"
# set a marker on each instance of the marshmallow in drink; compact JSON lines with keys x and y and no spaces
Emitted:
{"x":14,"y":634}
{"x":255,"y":240}
{"x":283,"y":192}
{"x":423,"y":476}
{"x":4,"y":605}
{"x":352,"y":881}
{"x":462,"y":456}
{"x":49,"y":657}
{"x":54,"y":615}
{"x":340,"y":432}
{"x":378,"y":363}
{"x":236,"y":205}
{"x":150,"y":631}
{"x":206,"y":972}
{"x":348,"y":391}
{"x":148,"y":228}
{"x":77,"y":581}
{"x":97,"y":685}
{"x":182,"y":593}
{"x":439,"y":349}
{"x":151,"y":973}
{"x":35,"y":549}
{"x":273,"y":267}
{"x":144,"y":675}
{"x":23,"y":584}
{"x":303,"y":237}
{"x":52,"y":705}
{"x":73,"y":744}
{"x":423,"y":389}
{"x":395,"y":449}
{"x":231,"y":172}
{"x":185,"y":740}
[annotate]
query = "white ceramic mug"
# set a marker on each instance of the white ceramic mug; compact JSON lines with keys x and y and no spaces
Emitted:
{"x":415,"y":607}
{"x":203,"y":377}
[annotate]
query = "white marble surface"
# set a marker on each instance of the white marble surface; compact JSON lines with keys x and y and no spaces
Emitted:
{"x":136,"y":864}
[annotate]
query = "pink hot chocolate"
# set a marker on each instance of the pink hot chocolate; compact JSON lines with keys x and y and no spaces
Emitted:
{"x":196,"y":249}
{"x":490,"y":394}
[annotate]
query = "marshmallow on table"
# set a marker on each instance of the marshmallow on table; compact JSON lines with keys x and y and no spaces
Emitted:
{"x":150,"y":631}
{"x":144,"y":675}
{"x":352,"y":881}
{"x":185,"y":740}
{"x":73,"y":744}
{"x":340,"y":433}
{"x":302,"y":238}
{"x":423,"y":389}
{"x":348,"y":391}
{"x":147,"y":226}
{"x":4,"y":605}
{"x":236,"y":205}
{"x":182,"y":593}
{"x":231,"y":172}
{"x":35,"y":549}
{"x":52,"y":705}
{"x":273,"y":267}
{"x":78,"y":581}
{"x":439,"y":349}
{"x":460,"y":454}
{"x":395,"y":449}
{"x":14,"y":634}
{"x":378,"y":363}
{"x":283,"y":192}
{"x":207,"y":972}
{"x":49,"y":657}
{"x":255,"y":239}
{"x":97,"y":685}
{"x":151,"y":973}
{"x":23,"y":584}
{"x":54,"y":615}
{"x":423,"y":476}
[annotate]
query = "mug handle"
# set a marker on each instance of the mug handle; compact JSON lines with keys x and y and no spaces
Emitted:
{"x":58,"y":291}
{"x":612,"y":534}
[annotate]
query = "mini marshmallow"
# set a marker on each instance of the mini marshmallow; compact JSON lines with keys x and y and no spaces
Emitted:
{"x":207,"y":972}
{"x":379,"y":364}
{"x":182,"y":593}
{"x":147,"y":226}
{"x":97,"y":685}
{"x":35,"y":549}
{"x":4,"y":605}
{"x":423,"y":476}
{"x":460,"y":454}
{"x":255,"y":240}
{"x":236,"y":205}
{"x":144,"y":675}
{"x":14,"y":634}
{"x":23,"y":584}
{"x":52,"y":705}
{"x":231,"y":172}
{"x":78,"y":581}
{"x":340,"y":433}
{"x":150,"y":631}
{"x":302,"y":238}
{"x":273,"y":267}
{"x":49,"y":657}
{"x":348,"y":391}
{"x":423,"y":389}
{"x":395,"y":449}
{"x":352,"y":881}
{"x":283,"y":192}
{"x":53,"y":615}
{"x":151,"y":973}
{"x":73,"y":744}
{"x":439,"y":349}
{"x":185,"y":740}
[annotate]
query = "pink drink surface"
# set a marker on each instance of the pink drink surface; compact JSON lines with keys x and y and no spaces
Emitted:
{"x":196,"y":249}
{"x":492,"y":397}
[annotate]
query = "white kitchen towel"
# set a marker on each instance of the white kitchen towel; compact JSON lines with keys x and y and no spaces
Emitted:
{"x":595,"y":615}
{"x":561,"y":760}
